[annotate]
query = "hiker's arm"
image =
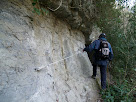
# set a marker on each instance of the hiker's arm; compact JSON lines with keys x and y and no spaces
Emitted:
{"x":90,"y":48}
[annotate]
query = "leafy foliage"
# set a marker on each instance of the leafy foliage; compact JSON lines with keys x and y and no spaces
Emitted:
{"x":37,"y":9}
{"x":119,"y":25}
{"x":117,"y":93}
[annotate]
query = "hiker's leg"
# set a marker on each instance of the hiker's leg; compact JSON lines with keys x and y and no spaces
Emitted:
{"x":103,"y":76}
{"x":94,"y":70}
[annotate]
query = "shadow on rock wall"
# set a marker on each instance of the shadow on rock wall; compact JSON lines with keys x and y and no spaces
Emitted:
{"x":84,"y":66}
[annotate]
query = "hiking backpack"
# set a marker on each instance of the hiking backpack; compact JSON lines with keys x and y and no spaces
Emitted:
{"x":103,"y":50}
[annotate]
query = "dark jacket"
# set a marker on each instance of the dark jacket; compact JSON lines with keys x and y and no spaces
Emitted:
{"x":95,"y":46}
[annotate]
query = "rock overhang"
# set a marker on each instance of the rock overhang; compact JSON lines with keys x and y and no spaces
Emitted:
{"x":79,"y":14}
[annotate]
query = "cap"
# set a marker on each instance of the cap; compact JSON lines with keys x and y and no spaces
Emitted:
{"x":102,"y":35}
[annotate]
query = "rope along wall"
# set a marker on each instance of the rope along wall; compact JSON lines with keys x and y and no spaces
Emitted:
{"x":39,"y":68}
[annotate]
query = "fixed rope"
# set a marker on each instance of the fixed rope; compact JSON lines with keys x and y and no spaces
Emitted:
{"x":39,"y":68}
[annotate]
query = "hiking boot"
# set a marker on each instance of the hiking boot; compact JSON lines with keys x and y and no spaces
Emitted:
{"x":94,"y":77}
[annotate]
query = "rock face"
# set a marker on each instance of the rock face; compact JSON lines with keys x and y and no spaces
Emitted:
{"x":79,"y":14}
{"x":28,"y":41}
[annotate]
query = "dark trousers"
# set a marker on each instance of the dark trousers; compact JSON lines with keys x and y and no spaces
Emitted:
{"x":103,"y":74}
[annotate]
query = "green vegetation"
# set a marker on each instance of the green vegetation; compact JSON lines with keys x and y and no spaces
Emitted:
{"x":37,"y":9}
{"x":120,"y":27}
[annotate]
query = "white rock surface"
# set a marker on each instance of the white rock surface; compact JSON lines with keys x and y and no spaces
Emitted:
{"x":95,"y":33}
{"x":29,"y":41}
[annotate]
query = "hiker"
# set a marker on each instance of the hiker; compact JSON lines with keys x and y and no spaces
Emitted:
{"x":102,"y":55}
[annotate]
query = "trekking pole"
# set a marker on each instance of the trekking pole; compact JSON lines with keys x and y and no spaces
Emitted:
{"x":108,"y":72}
{"x":109,"y":69}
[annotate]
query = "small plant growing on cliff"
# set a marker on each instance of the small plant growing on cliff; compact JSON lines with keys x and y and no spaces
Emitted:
{"x":37,"y":9}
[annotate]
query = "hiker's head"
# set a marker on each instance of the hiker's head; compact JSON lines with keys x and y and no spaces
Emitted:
{"x":102,"y":35}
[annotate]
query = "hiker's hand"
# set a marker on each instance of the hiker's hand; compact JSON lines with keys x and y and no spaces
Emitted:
{"x":83,"y":49}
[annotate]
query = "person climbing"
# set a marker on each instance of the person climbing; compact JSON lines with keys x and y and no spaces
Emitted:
{"x":102,"y":55}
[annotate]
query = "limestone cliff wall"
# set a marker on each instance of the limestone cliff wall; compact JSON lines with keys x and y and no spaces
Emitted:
{"x":79,"y":14}
{"x":28,"y":41}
